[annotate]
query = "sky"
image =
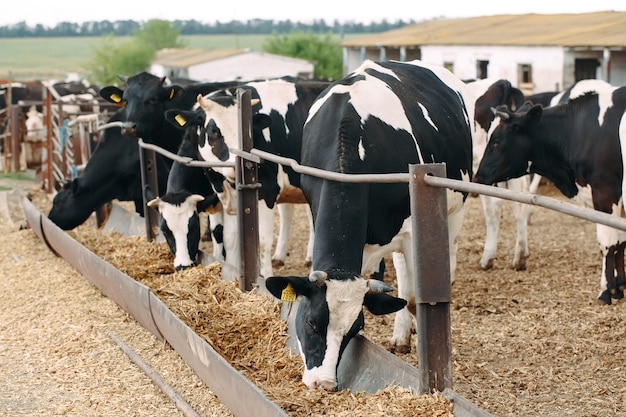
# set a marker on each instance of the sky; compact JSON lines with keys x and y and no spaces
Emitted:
{"x":50,"y":13}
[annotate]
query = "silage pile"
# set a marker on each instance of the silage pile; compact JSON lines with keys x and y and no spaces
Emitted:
{"x":246,"y":329}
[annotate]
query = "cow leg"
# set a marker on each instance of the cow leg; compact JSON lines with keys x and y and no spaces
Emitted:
{"x":620,"y":283}
{"x":401,"y":337}
{"x":456,"y":211}
{"x":285,"y":216}
{"x":308,"y":261}
{"x":231,"y":241}
{"x":607,"y":279}
{"x":521,"y":212}
{"x":492,"y":208}
{"x":216,"y":220}
{"x":207,"y":235}
{"x":266,"y":239}
{"x":608,"y":241}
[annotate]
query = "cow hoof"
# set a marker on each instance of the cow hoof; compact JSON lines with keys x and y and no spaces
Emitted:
{"x":618,"y":294}
{"x":604,"y":298}
{"x":277,"y":262}
{"x":486,"y":265}
{"x":400,"y":349}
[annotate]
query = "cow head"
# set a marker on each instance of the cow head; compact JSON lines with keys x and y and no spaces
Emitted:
{"x":146,"y":98}
{"x":66,"y":212}
{"x":509,"y":149}
{"x":490,"y":94}
{"x":329,"y":315}
{"x":180,"y":223}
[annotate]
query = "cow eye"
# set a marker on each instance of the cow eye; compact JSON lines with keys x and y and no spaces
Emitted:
{"x":311,"y":325}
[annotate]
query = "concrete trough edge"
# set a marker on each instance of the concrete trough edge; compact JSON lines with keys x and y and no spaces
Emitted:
{"x":381,"y":367}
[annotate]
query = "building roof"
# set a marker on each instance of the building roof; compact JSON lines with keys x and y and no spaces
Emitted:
{"x":183,"y":58}
{"x":604,"y":29}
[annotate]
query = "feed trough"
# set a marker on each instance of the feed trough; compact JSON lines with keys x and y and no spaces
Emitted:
{"x":365,"y":366}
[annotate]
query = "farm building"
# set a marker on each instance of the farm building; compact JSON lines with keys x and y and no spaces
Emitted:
{"x":536,"y":52}
{"x":226,"y":64}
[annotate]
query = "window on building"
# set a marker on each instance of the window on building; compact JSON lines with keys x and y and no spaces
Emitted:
{"x":481,"y":69}
{"x":525,"y":73}
{"x":525,"y":78}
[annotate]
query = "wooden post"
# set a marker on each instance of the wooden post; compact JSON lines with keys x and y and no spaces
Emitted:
{"x":429,"y":211}
{"x":247,"y":198}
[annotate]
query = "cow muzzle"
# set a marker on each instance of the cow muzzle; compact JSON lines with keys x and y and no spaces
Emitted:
{"x":129,"y":129}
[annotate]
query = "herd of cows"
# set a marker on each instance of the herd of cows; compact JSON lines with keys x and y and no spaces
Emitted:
{"x":378,"y":119}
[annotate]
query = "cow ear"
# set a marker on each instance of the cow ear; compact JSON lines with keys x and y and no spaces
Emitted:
{"x":533,"y":116}
{"x":148,"y":193}
{"x":289,"y":288}
{"x":74,"y":186}
{"x":172,"y":92}
{"x":181,"y":119}
{"x":380,"y":303}
{"x":112,"y":94}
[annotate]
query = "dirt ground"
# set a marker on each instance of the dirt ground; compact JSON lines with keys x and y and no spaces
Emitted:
{"x":57,"y":357}
{"x":525,"y":343}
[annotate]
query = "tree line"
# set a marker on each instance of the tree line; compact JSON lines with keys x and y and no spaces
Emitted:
{"x":194,"y":27}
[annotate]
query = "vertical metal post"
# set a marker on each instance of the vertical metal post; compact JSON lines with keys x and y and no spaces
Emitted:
{"x":429,"y":211}
{"x":247,"y":198}
{"x":147,"y":160}
{"x":16,"y":133}
{"x":47,"y":121}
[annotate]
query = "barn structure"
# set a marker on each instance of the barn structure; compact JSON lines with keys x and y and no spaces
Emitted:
{"x":208,"y":65}
{"x":536,"y":52}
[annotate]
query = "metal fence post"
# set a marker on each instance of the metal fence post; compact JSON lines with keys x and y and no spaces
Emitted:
{"x":147,"y":160}
{"x":247,"y":198}
{"x":429,"y":210}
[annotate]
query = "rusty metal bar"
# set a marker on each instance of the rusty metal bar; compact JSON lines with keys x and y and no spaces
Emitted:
{"x":247,"y":198}
{"x":15,"y":129}
{"x":46,"y":108}
{"x":180,"y":403}
{"x":528,"y":198}
{"x":147,"y":160}
{"x":429,"y":212}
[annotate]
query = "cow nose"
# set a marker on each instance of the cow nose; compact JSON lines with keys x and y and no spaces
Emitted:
{"x":129,"y":129}
{"x":330,"y":386}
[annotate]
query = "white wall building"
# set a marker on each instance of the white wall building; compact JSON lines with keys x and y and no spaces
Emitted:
{"x":535,"y":52}
{"x":208,"y":65}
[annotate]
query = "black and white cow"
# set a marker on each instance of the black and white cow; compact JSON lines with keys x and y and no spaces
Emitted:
{"x":576,"y":145}
{"x":379,"y":119}
{"x":491,"y":93}
{"x":286,"y":101}
{"x":112,"y":172}
{"x":189,"y":191}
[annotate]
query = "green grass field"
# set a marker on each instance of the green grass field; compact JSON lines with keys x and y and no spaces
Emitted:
{"x":27,"y":59}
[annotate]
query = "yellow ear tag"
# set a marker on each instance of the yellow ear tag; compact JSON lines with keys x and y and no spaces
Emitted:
{"x":171,"y":93}
{"x":116,"y":98}
{"x":180,"y":119}
{"x":288,"y":294}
